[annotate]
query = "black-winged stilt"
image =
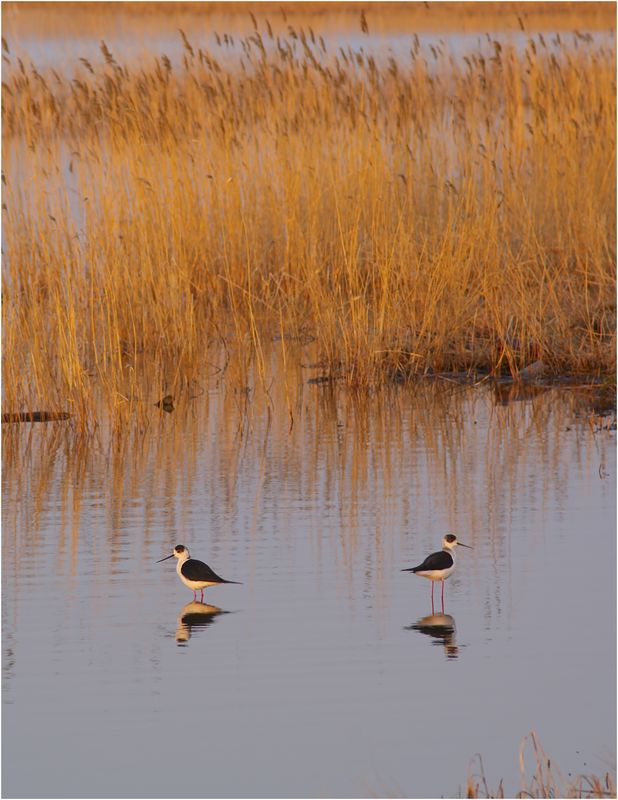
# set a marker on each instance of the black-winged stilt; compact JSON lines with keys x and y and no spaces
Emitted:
{"x":438,"y":566}
{"x":194,"y":574}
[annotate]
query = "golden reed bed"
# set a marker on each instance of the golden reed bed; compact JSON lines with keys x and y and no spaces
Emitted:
{"x":425,"y":213}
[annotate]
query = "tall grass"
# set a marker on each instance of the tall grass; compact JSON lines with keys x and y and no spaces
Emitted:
{"x":411,"y":215}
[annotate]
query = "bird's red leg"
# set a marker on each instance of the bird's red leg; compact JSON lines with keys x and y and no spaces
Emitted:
{"x":202,"y":595}
{"x":432,"y":611}
{"x":443,"y":597}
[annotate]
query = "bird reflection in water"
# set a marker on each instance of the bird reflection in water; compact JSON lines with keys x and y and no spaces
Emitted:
{"x":195,"y":615}
{"x":441,"y":628}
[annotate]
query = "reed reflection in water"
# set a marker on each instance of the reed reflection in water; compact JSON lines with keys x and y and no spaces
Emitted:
{"x":314,"y":497}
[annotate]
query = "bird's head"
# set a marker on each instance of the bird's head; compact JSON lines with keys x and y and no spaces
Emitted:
{"x":180,"y":551}
{"x":450,"y":542}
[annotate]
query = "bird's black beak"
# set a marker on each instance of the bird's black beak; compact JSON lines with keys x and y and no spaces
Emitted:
{"x":165,"y":559}
{"x":461,"y":544}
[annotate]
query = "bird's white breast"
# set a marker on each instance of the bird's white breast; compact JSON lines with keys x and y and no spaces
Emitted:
{"x":436,"y":574}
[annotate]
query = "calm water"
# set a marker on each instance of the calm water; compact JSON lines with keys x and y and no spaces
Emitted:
{"x":321,"y":675}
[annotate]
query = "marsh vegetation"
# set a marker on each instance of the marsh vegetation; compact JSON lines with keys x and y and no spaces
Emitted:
{"x":545,"y":781}
{"x":408,"y":215}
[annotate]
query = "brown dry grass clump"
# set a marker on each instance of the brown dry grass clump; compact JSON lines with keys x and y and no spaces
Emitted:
{"x":547,"y":781}
{"x":427,"y":213}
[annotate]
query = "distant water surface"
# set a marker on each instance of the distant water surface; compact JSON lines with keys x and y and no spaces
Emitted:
{"x":139,"y":40}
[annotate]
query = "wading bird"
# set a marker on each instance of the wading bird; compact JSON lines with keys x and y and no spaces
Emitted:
{"x":194,"y":574}
{"x":438,"y":566}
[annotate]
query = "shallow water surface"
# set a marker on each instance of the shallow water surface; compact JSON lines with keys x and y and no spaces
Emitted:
{"x":324,"y":673}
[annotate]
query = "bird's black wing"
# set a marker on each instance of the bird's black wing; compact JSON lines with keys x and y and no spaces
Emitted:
{"x":441,"y":560}
{"x":195,"y":570}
